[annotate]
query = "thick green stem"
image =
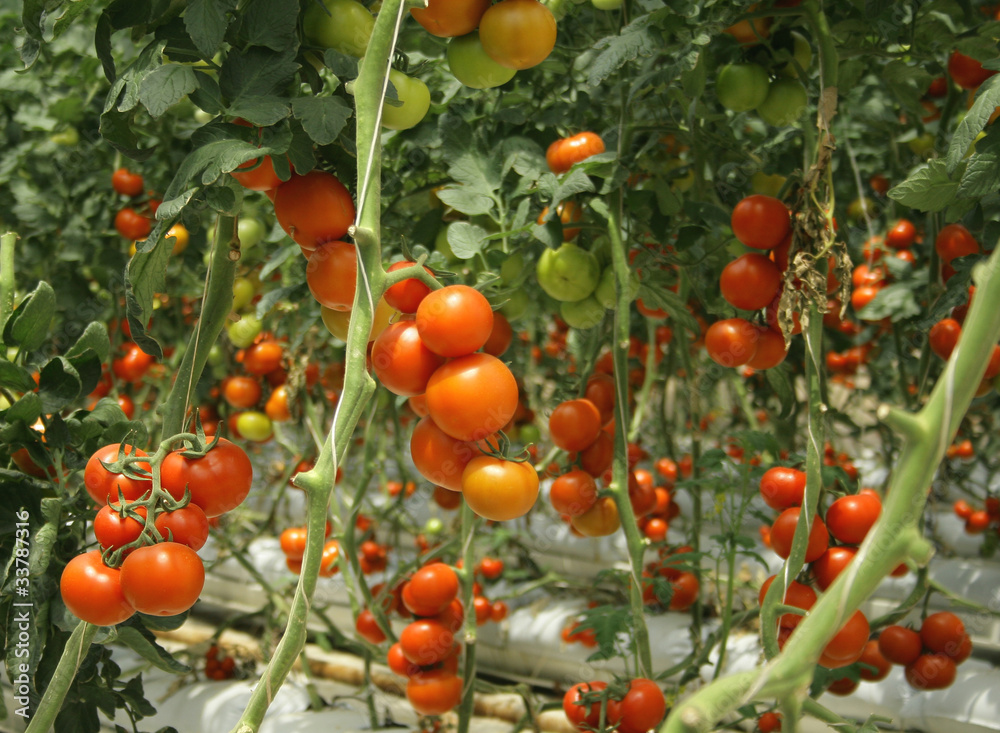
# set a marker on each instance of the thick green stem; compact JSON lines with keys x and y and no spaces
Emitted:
{"x":619,"y":484}
{"x":7,"y":284}
{"x":76,"y":649}
{"x":215,"y":308}
{"x":358,"y":383}
{"x":469,"y":523}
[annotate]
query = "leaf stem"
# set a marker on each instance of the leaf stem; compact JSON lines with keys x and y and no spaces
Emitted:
{"x":73,"y":654}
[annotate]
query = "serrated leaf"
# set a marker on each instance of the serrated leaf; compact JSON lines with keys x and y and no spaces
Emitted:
{"x":144,"y":644}
{"x":28,"y":325}
{"x":144,"y":276}
{"x":466,"y":240}
{"x":224,"y":200}
{"x":116,"y":128}
{"x":164,"y":87}
{"x":343,"y":66}
{"x":257,"y":72}
{"x":574,"y":182}
{"x":269,"y":23}
{"x":323,"y":118}
{"x":206,"y":22}
{"x":636,"y":39}
{"x":987,"y":100}
{"x":894,"y":301}
{"x":263,"y":111}
{"x":208,"y":96}
{"x":466,"y":201}
{"x":928,"y":188}
{"x":480,"y":172}
{"x":95,"y":338}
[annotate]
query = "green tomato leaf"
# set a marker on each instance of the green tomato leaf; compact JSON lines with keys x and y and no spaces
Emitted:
{"x":982,"y":174}
{"x":987,"y":100}
{"x":142,"y":642}
{"x":27,"y":409}
{"x":164,"y":87}
{"x":257,"y":72}
{"x":94,"y":338}
{"x":206,"y":22}
{"x":928,"y":188}
{"x":894,"y":301}
{"x":263,"y":111}
{"x":269,"y":23}
{"x":343,"y":66}
{"x":59,"y":384}
{"x":292,"y":294}
{"x":208,"y":96}
{"x":466,"y":201}
{"x":781,"y":382}
{"x":28,"y":325}
{"x":15,"y":377}
{"x":466,"y":240}
{"x":638,"y":38}
{"x":323,"y":118}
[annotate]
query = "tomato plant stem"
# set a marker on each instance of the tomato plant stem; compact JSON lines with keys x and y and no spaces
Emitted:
{"x":76,"y":649}
{"x":469,"y":522}
{"x":7,"y":283}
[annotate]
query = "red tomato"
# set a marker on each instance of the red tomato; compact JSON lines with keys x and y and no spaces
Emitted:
{"x":219,"y":481}
{"x":760,"y":221}
{"x":931,"y":672}
{"x":104,"y":486}
{"x":796,"y":594}
{"x":164,"y":579}
{"x":450,"y":18}
{"x":241,"y":392}
{"x":113,"y":531}
{"x":407,"y":295}
{"x":92,"y":591}
{"x":566,"y":152}
{"x":769,"y":722}
{"x":966,"y":72}
{"x":431,"y":590}
{"x":314,"y":208}
{"x":332,"y":274}
{"x":783,"y":530}
{"x":573,"y":493}
{"x":438,"y":457}
{"x":848,"y":644}
{"x":455,"y":320}
{"x":518,"y":34}
{"x":601,"y":391}
{"x":850,"y":517}
{"x":263,"y":358}
{"x":872,"y":657}
{"x":426,"y":642}
{"x":293,"y":542}
{"x":830,"y":564}
{"x":642,"y":709}
{"x":942,"y":632}
{"x":187,"y":525}
{"x":500,"y":337}
{"x":368,"y":629}
{"x":434,"y":692}
{"x":133,"y":365}
{"x":471,"y":397}
{"x":259,"y":178}
{"x":132,"y":225}
{"x":899,"y":644}
{"x":401,"y":361}
{"x":954,"y":241}
{"x":750,"y":282}
{"x":575,"y":424}
{"x":597,"y":457}
{"x":685,"y":590}
{"x":771,"y":349}
{"x":585,"y":716}
{"x":902,"y":235}
{"x":943,"y":336}
{"x":126,"y":182}
{"x":783,"y":487}
{"x":731,"y":342}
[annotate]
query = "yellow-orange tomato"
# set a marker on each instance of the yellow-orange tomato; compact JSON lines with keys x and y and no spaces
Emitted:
{"x":498,"y":489}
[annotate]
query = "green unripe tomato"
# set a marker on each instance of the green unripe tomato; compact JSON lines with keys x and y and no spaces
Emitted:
{"x":243,"y":292}
{"x":516,"y":305}
{"x":250,"y":232}
{"x":415,"y":98}
{"x":216,"y":356}
{"x":801,"y":52}
{"x":529,"y":434}
{"x":786,"y":101}
{"x":601,"y":249}
{"x":569,"y":273}
{"x":472,"y":66}
{"x":922,"y":144}
{"x":585,"y":313}
{"x":255,"y":426}
{"x":66,"y":138}
{"x":742,"y":87}
{"x":433,"y":526}
{"x":512,"y":268}
{"x":606,"y":292}
{"x":607,"y":4}
{"x":244,"y":331}
{"x":346,"y":28}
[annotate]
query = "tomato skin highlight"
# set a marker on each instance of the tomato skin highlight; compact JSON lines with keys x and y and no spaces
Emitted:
{"x":92,"y":591}
{"x":850,"y":518}
{"x":731,"y":342}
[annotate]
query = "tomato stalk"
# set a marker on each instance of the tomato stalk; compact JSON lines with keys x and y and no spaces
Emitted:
{"x":649,"y":378}
{"x":620,"y":469}
{"x":215,"y":307}
{"x":894,"y":538}
{"x":469,"y":522}
{"x":369,"y":92}
{"x":73,"y":654}
{"x":7,"y":283}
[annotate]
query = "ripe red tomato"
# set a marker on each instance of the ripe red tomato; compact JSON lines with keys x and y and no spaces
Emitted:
{"x":902,"y":235}
{"x":491,"y":567}
{"x":401,"y":361}
{"x":406,"y":296}
{"x":259,"y":178}
{"x":398,"y":662}
{"x":575,"y":424}
{"x":685,"y":591}
{"x":832,"y":562}
{"x":760,"y":221}
{"x":132,"y":225}
{"x":601,"y":391}
{"x":750,"y":282}
{"x":769,"y":722}
{"x":573,"y":493}
{"x":942,"y":632}
{"x":796,"y":594}
{"x":241,"y":392}
{"x":455,"y":320}
{"x":585,"y":716}
{"x":219,"y":481}
{"x":566,"y":152}
{"x":263,"y":358}
{"x":440,"y":458}
{"x":126,"y":182}
{"x":641,"y":709}
{"x":368,"y":628}
{"x":332,"y":274}
{"x":872,"y":657}
{"x":899,"y":644}
{"x":92,"y":591}
{"x":434,"y":692}
{"x":966,"y":72}
{"x":426,"y":642}
{"x":187,"y":526}
{"x":104,"y":486}
{"x":954,"y":241}
{"x":783,"y":530}
{"x":113,"y":531}
{"x":931,"y":672}
{"x":848,"y":644}
{"x":771,"y":349}
{"x":500,"y":337}
{"x":162,"y":579}
{"x":499,"y":489}
{"x":597,"y":457}
{"x":471,"y":397}
{"x":731,"y":342}
{"x":943,"y":336}
{"x":783,"y":487}
{"x":518,"y":34}
{"x":293,"y":542}
{"x":450,"y":18}
{"x":430,"y":590}
{"x":850,"y":517}
{"x":314,"y":208}
{"x":133,"y":365}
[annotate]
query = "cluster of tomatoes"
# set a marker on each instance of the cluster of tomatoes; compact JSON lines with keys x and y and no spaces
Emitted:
{"x":930,"y":655}
{"x":684,"y":585}
{"x":219,"y":668}
{"x":136,"y":224}
{"x":634,"y":708}
{"x":978,"y":521}
{"x":753,"y":282}
{"x":944,"y":335}
{"x":293,"y":544}
{"x":148,"y":561}
{"x":262,"y":362}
